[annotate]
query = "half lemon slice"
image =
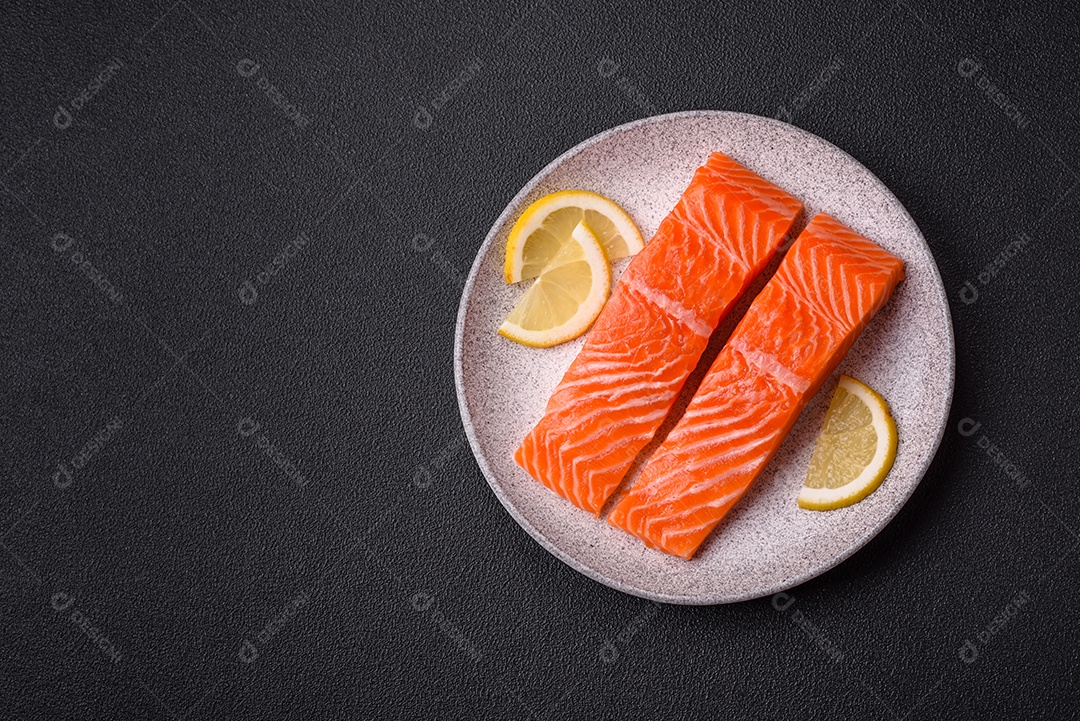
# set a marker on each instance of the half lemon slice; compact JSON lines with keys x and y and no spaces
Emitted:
{"x":854,"y":452}
{"x":545,"y":226}
{"x":566,"y":297}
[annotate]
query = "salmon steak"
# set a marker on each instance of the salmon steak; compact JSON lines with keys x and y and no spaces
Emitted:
{"x":650,"y":335}
{"x":795,"y":333}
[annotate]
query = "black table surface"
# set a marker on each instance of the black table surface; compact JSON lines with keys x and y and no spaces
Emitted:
{"x":235,"y":480}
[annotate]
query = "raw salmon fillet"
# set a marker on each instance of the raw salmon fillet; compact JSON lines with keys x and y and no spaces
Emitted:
{"x":798,"y":329}
{"x":650,"y":335}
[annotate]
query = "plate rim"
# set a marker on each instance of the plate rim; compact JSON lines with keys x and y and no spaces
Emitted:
{"x":537,"y":535}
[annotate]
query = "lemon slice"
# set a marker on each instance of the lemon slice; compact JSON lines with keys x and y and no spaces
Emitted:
{"x":854,"y":452}
{"x":566,"y":297}
{"x":546,"y":225}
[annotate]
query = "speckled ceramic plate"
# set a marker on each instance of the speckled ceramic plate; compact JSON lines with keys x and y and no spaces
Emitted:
{"x":767,"y":543}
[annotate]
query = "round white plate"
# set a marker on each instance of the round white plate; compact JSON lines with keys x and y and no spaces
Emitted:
{"x":767,"y":543}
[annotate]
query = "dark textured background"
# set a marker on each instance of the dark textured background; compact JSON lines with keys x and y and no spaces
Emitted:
{"x":176,"y":570}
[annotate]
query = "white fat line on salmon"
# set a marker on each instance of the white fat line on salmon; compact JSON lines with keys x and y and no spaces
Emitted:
{"x":658,"y":493}
{"x":675,"y":311}
{"x":759,"y":190}
{"x":824,"y":309}
{"x":685,"y":514}
{"x":619,"y":382}
{"x":718,"y":239}
{"x":570,"y":447}
{"x":769,"y":365}
{"x":725,"y":450}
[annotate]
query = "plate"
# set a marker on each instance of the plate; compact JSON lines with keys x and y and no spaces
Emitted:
{"x":766,"y":544}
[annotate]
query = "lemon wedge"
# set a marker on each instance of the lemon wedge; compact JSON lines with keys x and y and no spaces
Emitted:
{"x":545,"y":226}
{"x":854,"y":452}
{"x":566,"y":297}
